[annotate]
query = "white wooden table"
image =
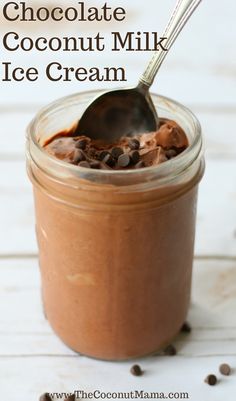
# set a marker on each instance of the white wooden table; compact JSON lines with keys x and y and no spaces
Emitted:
{"x":32,"y":359}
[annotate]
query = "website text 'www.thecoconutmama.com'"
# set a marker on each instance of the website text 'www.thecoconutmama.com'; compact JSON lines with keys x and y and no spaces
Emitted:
{"x":131,"y":395}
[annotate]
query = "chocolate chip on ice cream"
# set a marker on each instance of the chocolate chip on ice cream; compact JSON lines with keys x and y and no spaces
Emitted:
{"x":103,"y":154}
{"x":170,"y":135}
{"x":71,"y":398}
{"x":134,"y":144}
{"x":79,"y":156}
{"x":116,"y":282}
{"x":95,"y":165}
{"x":124,"y":160}
{"x":171,"y":153}
{"x":109,"y":160}
{"x":81,"y":144}
{"x":84,"y":164}
{"x":134,"y":156}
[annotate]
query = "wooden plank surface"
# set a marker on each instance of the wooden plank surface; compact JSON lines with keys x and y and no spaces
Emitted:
{"x":33,"y":360}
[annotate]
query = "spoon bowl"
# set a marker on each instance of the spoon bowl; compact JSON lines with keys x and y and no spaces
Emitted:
{"x":128,"y":112}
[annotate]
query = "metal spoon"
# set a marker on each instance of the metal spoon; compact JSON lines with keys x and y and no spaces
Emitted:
{"x":131,"y":111}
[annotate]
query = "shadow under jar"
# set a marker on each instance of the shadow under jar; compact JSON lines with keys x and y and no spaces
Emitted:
{"x":115,"y":247}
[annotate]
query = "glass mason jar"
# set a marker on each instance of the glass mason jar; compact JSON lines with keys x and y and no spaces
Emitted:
{"x":115,"y":247}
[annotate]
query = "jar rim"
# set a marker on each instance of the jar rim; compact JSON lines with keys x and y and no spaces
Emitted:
{"x":178,"y":164}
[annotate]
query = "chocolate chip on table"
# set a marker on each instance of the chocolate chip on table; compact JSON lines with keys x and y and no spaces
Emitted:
{"x":117,"y":152}
{"x":71,"y":398}
{"x":171,"y":153}
{"x":211,"y":380}
{"x":124,"y":160}
{"x":136,"y":370}
{"x":170,"y":350}
{"x":186,"y":328}
{"x":135,"y":156}
{"x":134,"y":144}
{"x":225,"y":369}
{"x":140,"y":164}
{"x":108,"y":159}
{"x":45,"y":397}
{"x":79,"y":156}
{"x":81,"y":144}
{"x":84,"y":164}
{"x":171,"y":136}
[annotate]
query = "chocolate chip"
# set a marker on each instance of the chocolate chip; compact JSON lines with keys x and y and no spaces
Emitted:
{"x":95,"y":165}
{"x":134,"y":144}
{"x":104,"y":166}
{"x":140,"y":164}
{"x":79,"y":156}
{"x":171,"y":153}
{"x":170,"y":350}
{"x":103,"y":154}
{"x":186,"y":328}
{"x":117,"y":152}
{"x":225,"y":369}
{"x":81,"y":144}
{"x":211,"y":380}
{"x":135,"y":156}
{"x":136,"y":370}
{"x":108,"y":159}
{"x":124,"y":160}
{"x":44,"y":312}
{"x":84,"y":164}
{"x":45,"y":397}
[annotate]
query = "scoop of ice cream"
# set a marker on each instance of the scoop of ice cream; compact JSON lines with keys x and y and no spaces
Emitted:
{"x":170,"y":135}
{"x":144,"y":150}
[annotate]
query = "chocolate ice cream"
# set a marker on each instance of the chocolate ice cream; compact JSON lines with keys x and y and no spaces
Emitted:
{"x":115,"y":236}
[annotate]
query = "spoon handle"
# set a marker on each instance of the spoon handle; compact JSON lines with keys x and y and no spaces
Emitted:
{"x":181,"y":14}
